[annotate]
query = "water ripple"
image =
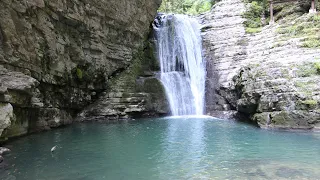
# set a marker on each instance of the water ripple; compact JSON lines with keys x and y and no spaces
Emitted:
{"x":166,"y":148}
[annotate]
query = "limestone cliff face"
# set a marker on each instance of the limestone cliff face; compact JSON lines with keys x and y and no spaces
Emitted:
{"x":271,"y":77}
{"x":56,"y":57}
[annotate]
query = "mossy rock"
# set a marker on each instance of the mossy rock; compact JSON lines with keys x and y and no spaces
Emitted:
{"x":281,"y":118}
{"x":307,"y":104}
{"x":317,"y":67}
{"x":262,"y":119}
{"x":306,"y":70}
{"x":79,"y":73}
{"x":297,"y":119}
{"x":154,"y":87}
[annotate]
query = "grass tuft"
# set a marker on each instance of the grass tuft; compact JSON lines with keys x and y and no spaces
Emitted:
{"x":253,"y":30}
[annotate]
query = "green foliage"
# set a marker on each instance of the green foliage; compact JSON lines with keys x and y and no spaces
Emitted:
{"x":310,"y":102}
{"x":303,"y":84}
{"x":306,"y":87}
{"x":304,"y":27}
{"x":278,"y":44}
{"x":257,"y":13}
{"x":191,"y":7}
{"x":306,"y":70}
{"x":256,"y":10}
{"x":253,"y":15}
{"x":79,"y":73}
{"x":317,"y":66}
{"x":307,"y":104}
{"x":291,"y":30}
{"x":312,"y":42}
{"x":253,"y":30}
{"x":314,"y":18}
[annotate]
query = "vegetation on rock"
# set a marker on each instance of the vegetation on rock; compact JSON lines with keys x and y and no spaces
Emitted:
{"x":191,"y":7}
{"x":254,"y":13}
{"x":276,"y":81}
{"x":310,"y":102}
{"x":253,"y":30}
{"x":311,"y":42}
{"x":317,"y":66}
{"x":304,"y":27}
{"x":79,"y":74}
{"x":306,"y":70}
{"x":257,"y":15}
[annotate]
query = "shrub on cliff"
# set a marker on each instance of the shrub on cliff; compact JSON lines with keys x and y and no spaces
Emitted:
{"x":256,"y":13}
{"x":317,"y":66}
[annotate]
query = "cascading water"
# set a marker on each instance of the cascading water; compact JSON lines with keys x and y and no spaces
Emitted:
{"x":182,"y":66}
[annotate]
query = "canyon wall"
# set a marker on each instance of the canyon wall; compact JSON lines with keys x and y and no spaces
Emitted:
{"x":57,"y":57}
{"x":270,"y":78}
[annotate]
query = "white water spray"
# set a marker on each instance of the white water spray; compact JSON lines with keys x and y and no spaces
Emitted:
{"x":182,"y":67}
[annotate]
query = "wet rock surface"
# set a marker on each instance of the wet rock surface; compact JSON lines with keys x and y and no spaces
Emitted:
{"x":269,"y":78}
{"x":3,"y":151}
{"x":57,"y":57}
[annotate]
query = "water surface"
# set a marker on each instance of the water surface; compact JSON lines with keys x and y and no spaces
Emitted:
{"x":167,"y":148}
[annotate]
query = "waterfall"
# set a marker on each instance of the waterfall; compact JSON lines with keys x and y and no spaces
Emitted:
{"x":179,"y":48}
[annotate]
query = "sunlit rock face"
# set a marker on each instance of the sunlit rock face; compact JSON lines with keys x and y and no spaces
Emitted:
{"x":71,"y":49}
{"x":270,"y":78}
{"x":224,"y":47}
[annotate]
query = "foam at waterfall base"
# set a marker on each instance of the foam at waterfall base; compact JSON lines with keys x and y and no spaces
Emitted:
{"x":192,"y":117}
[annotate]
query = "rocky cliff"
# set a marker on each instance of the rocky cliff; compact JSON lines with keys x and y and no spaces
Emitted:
{"x":57,"y":57}
{"x":270,"y":78}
